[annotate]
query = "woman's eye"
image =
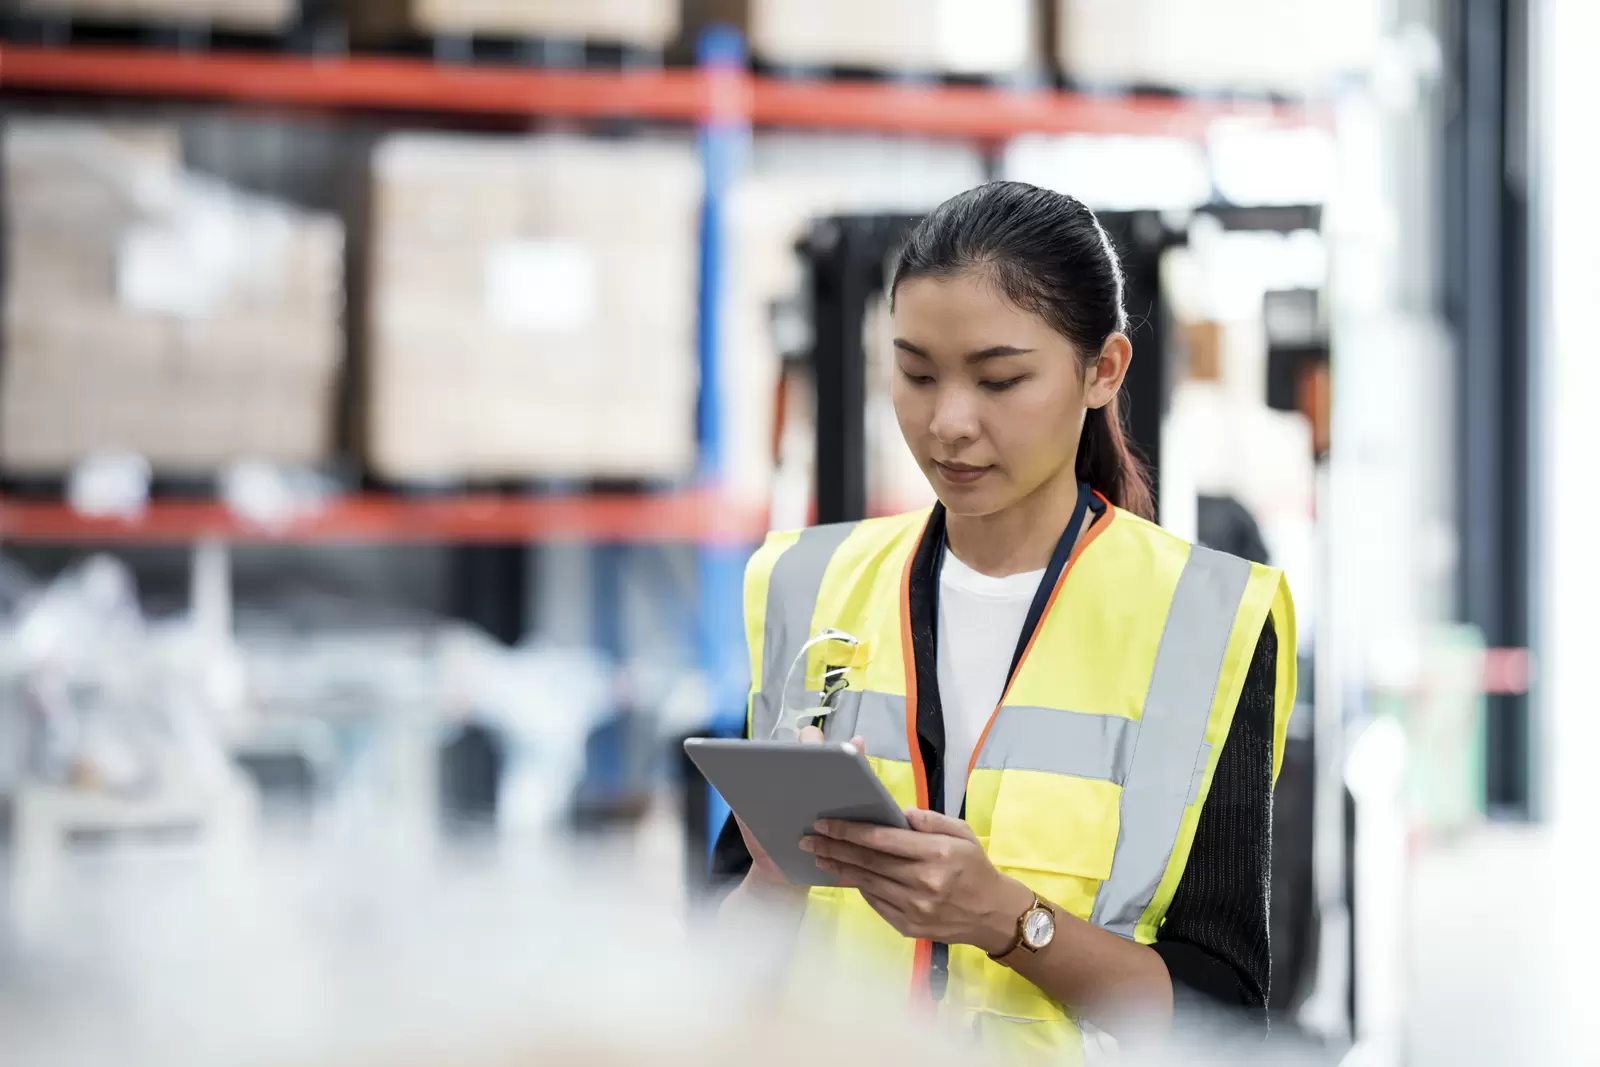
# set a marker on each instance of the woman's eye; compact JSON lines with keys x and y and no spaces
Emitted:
{"x":1002,"y":386}
{"x":917,"y":379}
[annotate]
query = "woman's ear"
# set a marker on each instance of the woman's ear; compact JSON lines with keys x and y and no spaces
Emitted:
{"x":1105,"y":375}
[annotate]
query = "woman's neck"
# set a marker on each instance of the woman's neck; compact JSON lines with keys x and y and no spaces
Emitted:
{"x":1019,"y":539}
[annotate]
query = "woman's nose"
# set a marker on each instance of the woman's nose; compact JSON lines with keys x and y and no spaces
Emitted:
{"x":955,"y":416}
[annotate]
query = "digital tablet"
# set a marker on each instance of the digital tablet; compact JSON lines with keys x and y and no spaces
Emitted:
{"x":781,"y":788}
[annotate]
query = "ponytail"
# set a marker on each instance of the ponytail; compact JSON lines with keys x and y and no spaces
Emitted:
{"x":1108,"y":464}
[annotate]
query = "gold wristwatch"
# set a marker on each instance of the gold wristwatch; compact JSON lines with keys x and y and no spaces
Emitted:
{"x":1036,"y":928}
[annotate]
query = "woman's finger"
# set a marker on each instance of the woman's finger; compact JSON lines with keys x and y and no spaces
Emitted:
{"x":907,"y":844}
{"x":895,"y":868}
{"x":891,"y":914}
{"x":868,"y":881}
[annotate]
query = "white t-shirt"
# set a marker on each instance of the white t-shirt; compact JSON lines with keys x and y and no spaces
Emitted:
{"x":980,"y":619}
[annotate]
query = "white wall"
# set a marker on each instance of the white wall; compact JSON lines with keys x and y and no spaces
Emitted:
{"x":1570,"y":177}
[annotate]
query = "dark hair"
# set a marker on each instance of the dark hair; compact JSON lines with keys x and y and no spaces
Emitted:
{"x":1050,"y":256}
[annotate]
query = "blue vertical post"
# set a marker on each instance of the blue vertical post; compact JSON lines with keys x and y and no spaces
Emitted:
{"x":607,"y":770}
{"x":724,"y":139}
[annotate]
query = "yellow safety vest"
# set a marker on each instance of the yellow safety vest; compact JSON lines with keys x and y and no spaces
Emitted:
{"x":1088,"y":782}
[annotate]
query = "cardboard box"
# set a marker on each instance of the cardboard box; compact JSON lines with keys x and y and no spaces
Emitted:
{"x":67,"y":176}
{"x":293,"y":270}
{"x":60,"y":376}
{"x":156,"y":311}
{"x":1286,"y":46}
{"x":187,"y":399}
{"x":642,"y":23}
{"x":65,"y":268}
{"x":533,"y":308}
{"x":263,"y":15}
{"x":1205,"y":342}
{"x":995,"y":37}
{"x":240,"y":342}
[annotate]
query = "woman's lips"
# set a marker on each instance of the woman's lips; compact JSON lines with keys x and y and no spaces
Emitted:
{"x":960,"y":474}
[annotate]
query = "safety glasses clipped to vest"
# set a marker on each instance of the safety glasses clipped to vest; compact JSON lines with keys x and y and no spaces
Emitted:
{"x":844,"y":657}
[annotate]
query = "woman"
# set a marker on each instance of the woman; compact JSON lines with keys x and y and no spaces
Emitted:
{"x":1082,"y":714}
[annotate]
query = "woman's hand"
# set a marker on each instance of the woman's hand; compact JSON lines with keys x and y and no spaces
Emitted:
{"x":763,"y":871}
{"x":932,"y":882}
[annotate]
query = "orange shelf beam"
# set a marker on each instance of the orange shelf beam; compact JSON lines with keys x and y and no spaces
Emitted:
{"x":385,"y":84}
{"x":672,"y":95}
{"x":992,"y":114}
{"x":636,"y":518}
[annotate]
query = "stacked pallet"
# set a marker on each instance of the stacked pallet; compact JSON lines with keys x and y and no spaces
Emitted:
{"x":151,"y":310}
{"x":987,"y":37}
{"x":533,"y":308}
{"x":259,"y":15}
{"x":1288,"y":47}
{"x":1279,"y":46}
{"x":642,"y":23}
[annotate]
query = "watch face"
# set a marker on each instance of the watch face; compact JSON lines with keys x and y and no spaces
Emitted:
{"x":1039,"y":927}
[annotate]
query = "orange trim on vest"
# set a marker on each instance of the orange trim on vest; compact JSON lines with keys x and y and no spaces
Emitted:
{"x":908,"y":659}
{"x":1088,"y":539}
{"x":922,"y":956}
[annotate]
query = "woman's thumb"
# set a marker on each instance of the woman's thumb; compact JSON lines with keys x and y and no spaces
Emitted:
{"x":811,"y":735}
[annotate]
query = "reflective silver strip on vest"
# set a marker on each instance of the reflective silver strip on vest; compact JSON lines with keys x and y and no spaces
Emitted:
{"x":1060,"y":742}
{"x":791,"y":601}
{"x":1172,"y":734}
{"x":881,"y":724}
{"x":879,"y":719}
{"x":840,"y":725}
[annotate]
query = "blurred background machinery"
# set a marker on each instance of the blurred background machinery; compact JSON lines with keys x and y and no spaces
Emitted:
{"x":392,"y":390}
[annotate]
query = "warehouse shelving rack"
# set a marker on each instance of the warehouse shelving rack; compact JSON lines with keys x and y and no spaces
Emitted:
{"x":725,"y":101}
{"x":720,"y":96}
{"x":675,"y":95}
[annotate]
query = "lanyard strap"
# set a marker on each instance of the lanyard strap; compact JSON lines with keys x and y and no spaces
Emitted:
{"x":1052,"y":574}
{"x":1047,"y":584}
{"x":939,"y":961}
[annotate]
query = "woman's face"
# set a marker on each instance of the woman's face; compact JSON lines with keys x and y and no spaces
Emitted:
{"x":990,"y":398}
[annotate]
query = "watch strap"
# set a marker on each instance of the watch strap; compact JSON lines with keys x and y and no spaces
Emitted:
{"x":1018,"y":939}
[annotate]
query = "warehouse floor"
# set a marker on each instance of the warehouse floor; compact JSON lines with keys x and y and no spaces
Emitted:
{"x":1494,"y":977}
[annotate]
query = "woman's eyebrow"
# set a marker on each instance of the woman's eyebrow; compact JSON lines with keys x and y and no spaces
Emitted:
{"x":995,"y":352}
